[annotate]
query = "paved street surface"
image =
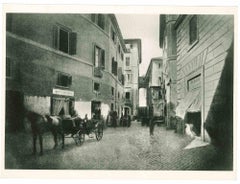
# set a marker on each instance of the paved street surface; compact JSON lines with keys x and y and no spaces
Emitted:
{"x":121,"y":148}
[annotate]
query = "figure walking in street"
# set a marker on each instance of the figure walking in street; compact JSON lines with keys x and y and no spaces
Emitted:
{"x":152,"y":122}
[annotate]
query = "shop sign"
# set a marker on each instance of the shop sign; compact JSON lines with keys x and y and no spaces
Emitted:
{"x":63,"y":92}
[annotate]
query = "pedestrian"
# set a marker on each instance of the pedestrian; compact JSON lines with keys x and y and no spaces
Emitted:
{"x":74,"y":116}
{"x":152,"y":122}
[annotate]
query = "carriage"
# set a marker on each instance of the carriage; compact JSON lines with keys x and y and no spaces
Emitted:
{"x":66,"y":127}
{"x":77,"y":128}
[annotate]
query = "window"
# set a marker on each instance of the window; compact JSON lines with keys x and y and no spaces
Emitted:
{"x":131,"y":46}
{"x":8,"y":67}
{"x":127,"y":95}
{"x":119,"y":49}
{"x":129,"y":78}
{"x":114,"y":67}
{"x":99,"y":57}
{"x":127,"y":61}
{"x":193,"y":30}
{"x":113,"y":36}
{"x":118,"y":95}
{"x":101,"y":21}
{"x":98,"y":19}
{"x":112,"y":106}
{"x":64,"y":80}
{"x":112,"y":91}
{"x":96,"y":87}
{"x":65,"y":40}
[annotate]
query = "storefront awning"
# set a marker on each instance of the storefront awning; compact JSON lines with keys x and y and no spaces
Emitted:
{"x":196,"y":105}
{"x":190,"y":102}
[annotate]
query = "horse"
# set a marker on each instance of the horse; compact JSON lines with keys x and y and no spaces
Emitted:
{"x":41,"y":124}
{"x":64,"y":126}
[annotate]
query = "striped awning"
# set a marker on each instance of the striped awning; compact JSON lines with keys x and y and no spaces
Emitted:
{"x":196,"y":105}
{"x":190,"y":103}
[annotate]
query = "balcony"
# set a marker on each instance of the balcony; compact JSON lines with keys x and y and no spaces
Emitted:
{"x":98,"y":72}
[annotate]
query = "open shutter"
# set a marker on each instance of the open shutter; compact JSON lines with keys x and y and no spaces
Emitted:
{"x":55,"y":37}
{"x":115,"y":68}
{"x":112,"y":65}
{"x":73,"y":43}
{"x":103,"y":58}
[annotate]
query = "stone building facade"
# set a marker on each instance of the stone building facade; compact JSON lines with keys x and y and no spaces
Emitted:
{"x":131,"y":74}
{"x":200,"y":44}
{"x":155,"y":88}
{"x":58,"y":61}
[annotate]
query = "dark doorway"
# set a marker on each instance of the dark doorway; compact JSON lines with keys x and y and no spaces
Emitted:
{"x":96,"y":109}
{"x":14,"y":111}
{"x":194,"y":118}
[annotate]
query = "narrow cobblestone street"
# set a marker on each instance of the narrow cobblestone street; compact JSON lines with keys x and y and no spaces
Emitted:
{"x":121,"y":148}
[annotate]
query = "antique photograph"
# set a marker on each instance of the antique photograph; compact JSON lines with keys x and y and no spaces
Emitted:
{"x":119,"y":91}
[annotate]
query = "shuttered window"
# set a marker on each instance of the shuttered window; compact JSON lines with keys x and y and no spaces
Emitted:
{"x":65,"y":40}
{"x":99,"y":57}
{"x":193,"y":30}
{"x":64,"y":80}
{"x":98,"y":19}
{"x":96,"y":87}
{"x":114,"y":67}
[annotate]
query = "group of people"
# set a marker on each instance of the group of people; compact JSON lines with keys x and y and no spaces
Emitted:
{"x":113,"y":120}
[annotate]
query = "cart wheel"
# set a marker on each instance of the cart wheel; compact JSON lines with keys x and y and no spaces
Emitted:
{"x":99,"y":133}
{"x":79,"y":138}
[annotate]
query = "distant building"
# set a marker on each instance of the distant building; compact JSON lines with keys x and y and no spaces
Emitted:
{"x":155,"y":87}
{"x":133,"y":58}
{"x":58,"y":61}
{"x":195,"y":49}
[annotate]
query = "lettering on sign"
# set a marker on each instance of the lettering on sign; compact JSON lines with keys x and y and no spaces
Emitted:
{"x":63,"y":92}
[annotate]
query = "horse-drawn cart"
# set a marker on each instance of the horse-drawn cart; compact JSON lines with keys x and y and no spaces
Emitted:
{"x":77,"y":128}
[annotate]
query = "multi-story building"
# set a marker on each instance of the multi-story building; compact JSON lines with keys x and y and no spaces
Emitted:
{"x":167,"y":42}
{"x":131,"y":72}
{"x":195,"y":51}
{"x":155,"y":88}
{"x":58,"y":61}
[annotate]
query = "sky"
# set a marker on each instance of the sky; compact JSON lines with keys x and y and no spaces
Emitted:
{"x":145,"y":27}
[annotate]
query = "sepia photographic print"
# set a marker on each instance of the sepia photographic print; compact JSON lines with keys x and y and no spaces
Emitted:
{"x":105,"y":89}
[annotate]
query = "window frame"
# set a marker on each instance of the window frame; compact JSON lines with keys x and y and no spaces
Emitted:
{"x":192,"y":43}
{"x":127,"y":92}
{"x":59,"y":74}
{"x":96,"y":19}
{"x":101,"y":58}
{"x":71,"y":39}
{"x":112,"y":91}
{"x":127,"y":61}
{"x":99,"y":87}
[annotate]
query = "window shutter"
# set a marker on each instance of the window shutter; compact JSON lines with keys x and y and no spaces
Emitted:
{"x":94,"y":56}
{"x":103,"y":58}
{"x":116,"y":68}
{"x":55,"y":37}
{"x":73,"y":43}
{"x":112,"y":65}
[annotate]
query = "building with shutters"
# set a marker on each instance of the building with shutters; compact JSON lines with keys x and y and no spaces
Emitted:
{"x":58,"y":61}
{"x":155,"y":88}
{"x":133,"y":57}
{"x":195,"y":50}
